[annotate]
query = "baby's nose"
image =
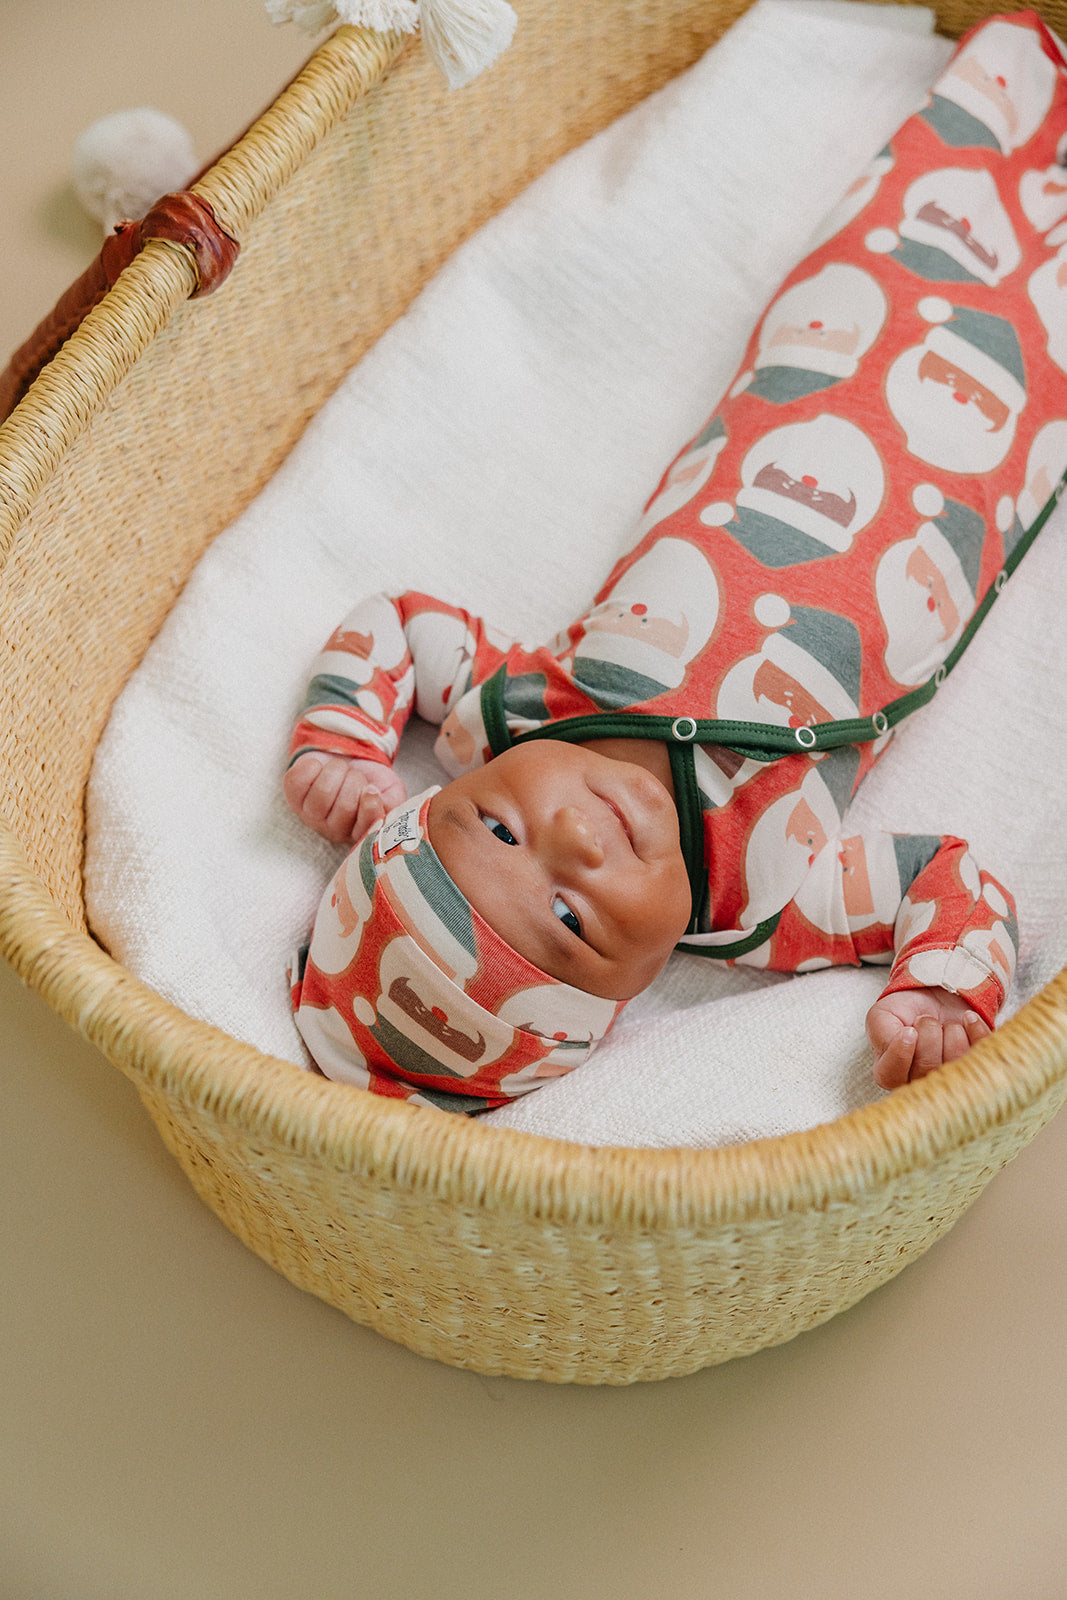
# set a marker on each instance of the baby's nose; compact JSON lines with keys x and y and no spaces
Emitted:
{"x":577,"y":838}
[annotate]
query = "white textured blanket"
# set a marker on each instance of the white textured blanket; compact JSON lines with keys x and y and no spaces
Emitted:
{"x":495,"y":448}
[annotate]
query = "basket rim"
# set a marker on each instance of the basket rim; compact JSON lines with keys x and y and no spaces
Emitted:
{"x":165,"y":1051}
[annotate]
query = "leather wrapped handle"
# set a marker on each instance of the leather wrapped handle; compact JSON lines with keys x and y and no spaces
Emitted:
{"x":184,"y":219}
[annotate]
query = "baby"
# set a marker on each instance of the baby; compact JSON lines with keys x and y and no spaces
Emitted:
{"x":674,"y":769}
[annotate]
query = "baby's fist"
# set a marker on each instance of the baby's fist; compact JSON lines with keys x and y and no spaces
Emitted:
{"x":340,"y":797}
{"x":914,"y":1031}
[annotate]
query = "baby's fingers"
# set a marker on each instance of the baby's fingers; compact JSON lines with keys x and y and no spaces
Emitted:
{"x":955,"y":1042}
{"x":929,"y":1048}
{"x":975,"y":1028}
{"x":325,"y":796}
{"x":370,"y":809}
{"x":894,"y":1047}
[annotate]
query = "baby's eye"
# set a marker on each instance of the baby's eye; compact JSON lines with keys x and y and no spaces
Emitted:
{"x":562,"y":910}
{"x":498,"y":830}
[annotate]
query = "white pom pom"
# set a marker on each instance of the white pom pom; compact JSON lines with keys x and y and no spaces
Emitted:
{"x":124,"y":162}
{"x":464,"y":36}
{"x":928,"y":499}
{"x":934,"y":308}
{"x":771,"y":610}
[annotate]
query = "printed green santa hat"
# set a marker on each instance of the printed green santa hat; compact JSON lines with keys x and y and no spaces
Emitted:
{"x":957,"y":126}
{"x":820,"y":649}
{"x":838,"y":769}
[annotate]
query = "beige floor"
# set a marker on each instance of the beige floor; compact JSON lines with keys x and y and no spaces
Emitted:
{"x":178,"y":1423}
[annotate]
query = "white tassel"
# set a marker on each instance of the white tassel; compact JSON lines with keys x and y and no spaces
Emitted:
{"x":383,"y":15}
{"x":126,"y":161}
{"x":462,"y":37}
{"x":312,"y":16}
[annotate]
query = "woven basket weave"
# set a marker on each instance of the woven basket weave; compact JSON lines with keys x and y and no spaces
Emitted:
{"x":154,"y":426}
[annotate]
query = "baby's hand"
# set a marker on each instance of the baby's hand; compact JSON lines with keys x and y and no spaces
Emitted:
{"x":914,"y":1031}
{"x":340,"y":797}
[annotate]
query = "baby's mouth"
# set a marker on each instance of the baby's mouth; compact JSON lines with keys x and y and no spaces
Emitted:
{"x":622,"y":821}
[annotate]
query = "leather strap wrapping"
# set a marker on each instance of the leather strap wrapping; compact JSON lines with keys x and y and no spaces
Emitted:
{"x":184,"y":219}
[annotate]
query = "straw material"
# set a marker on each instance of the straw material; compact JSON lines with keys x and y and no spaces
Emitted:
{"x":154,"y":426}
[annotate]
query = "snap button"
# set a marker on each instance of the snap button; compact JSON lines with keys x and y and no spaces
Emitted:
{"x":684,"y":729}
{"x":806,"y":736}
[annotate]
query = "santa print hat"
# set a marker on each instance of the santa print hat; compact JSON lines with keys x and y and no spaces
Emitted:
{"x":407,"y":991}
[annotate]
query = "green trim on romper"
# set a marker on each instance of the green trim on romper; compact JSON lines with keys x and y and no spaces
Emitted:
{"x":758,"y":741}
{"x":690,"y":824}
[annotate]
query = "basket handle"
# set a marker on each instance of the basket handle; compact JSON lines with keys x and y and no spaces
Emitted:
{"x":183,"y":218}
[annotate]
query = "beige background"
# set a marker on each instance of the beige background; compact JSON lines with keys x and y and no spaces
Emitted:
{"x":178,"y":1423}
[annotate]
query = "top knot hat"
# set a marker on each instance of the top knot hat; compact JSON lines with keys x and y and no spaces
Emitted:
{"x":407,"y":991}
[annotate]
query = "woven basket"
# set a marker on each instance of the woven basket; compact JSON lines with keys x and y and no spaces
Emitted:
{"x":154,"y":426}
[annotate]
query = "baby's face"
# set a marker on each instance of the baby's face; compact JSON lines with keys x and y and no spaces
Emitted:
{"x":573,"y":858}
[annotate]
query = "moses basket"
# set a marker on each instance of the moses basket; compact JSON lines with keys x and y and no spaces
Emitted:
{"x":487,"y":1248}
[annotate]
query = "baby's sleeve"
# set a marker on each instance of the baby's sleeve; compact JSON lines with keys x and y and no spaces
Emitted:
{"x":390,"y":656}
{"x":957,"y":930}
{"x":918,"y":903}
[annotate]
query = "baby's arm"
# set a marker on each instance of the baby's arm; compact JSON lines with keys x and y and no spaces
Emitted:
{"x":387,"y":657}
{"x":956,"y":943}
{"x":918,"y":903}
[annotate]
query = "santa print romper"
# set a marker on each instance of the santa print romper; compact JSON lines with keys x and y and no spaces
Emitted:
{"x":815,"y":560}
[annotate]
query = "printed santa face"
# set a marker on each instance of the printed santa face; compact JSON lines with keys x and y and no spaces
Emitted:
{"x":719,"y":772}
{"x":815,"y":333}
{"x":954,"y":230}
{"x":852,"y":886}
{"x":807,"y":671}
{"x":996,"y":92}
{"x":807,"y":490}
{"x":783,"y":847}
{"x":1046,"y":466}
{"x":336,"y":1052}
{"x":566,"y":1018}
{"x":856,"y":196}
{"x":361,"y":652}
{"x":926,"y":585}
{"x":343,"y":911}
{"x":458,"y":1042}
{"x":444,"y":646}
{"x":1047,"y":289}
{"x":685,"y":477}
{"x":1043,"y":194}
{"x":462,"y":744}
{"x":658,"y":617}
{"x":959,"y":394}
